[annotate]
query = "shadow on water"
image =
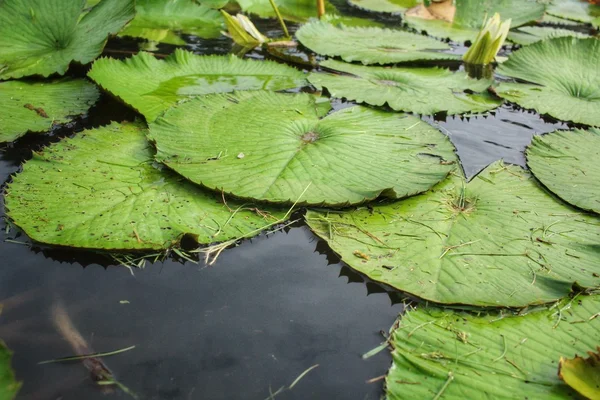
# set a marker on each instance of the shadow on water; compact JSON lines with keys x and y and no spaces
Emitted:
{"x":267,"y":311}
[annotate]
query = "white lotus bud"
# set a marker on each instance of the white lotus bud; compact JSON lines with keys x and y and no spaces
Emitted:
{"x":490,"y":39}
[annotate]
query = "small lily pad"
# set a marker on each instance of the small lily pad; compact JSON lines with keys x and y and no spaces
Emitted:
{"x":163,"y":20}
{"x":44,"y":37}
{"x":582,"y":374}
{"x":118,"y":199}
{"x":292,"y":10}
{"x":419,"y":90}
{"x":567,"y":163}
{"x":371,"y":45}
{"x":563,"y":76}
{"x":385,"y":6}
{"x":470,"y":15}
{"x":36,"y":106}
{"x":499,"y":240}
{"x":292,"y":155}
{"x":456,"y":355}
{"x":532,"y":34}
{"x":151,"y":86}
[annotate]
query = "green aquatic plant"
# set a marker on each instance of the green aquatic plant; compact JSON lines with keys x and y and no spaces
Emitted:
{"x":33,"y":43}
{"x":9,"y":387}
{"x":488,"y":42}
{"x":242,"y":31}
{"x":29,"y":106}
{"x":566,"y":162}
{"x":454,"y":355}
{"x":498,"y":240}
{"x":575,"y":10}
{"x":387,"y":6}
{"x":526,"y":35}
{"x":405,"y":89}
{"x":118,"y":199}
{"x":561,"y":76}
{"x":151,"y":86}
{"x":582,"y":374}
{"x":285,"y":145}
{"x":291,"y":10}
{"x":371,"y":45}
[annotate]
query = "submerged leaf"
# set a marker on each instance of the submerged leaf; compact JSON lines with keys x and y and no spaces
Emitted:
{"x":36,"y":107}
{"x":117,"y":199}
{"x":454,"y":355}
{"x":292,"y":10}
{"x":387,"y":6}
{"x":151,"y":86}
{"x":582,"y":374}
{"x":499,"y":240}
{"x":419,"y":90}
{"x":531,"y":34}
{"x":8,"y":385}
{"x":42,"y":37}
{"x":470,"y":16}
{"x":568,"y":164}
{"x":162,"y":20}
{"x":564,"y":77}
{"x":290,"y":154}
{"x":371,"y":45}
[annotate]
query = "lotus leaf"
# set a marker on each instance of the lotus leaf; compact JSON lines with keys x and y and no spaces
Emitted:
{"x":42,"y":37}
{"x":470,"y":15}
{"x":8,"y":386}
{"x":371,"y":45}
{"x":36,"y":106}
{"x":575,"y":10}
{"x":567,"y":164}
{"x":117,"y":199}
{"x":500,"y":240}
{"x":582,"y":374}
{"x":419,"y":90}
{"x":454,"y":355}
{"x":387,"y":6}
{"x":283,"y":152}
{"x":564,"y":76}
{"x":531,"y":34}
{"x":159,"y":20}
{"x":293,"y":10}
{"x":151,"y":86}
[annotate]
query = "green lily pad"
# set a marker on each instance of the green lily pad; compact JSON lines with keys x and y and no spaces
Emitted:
{"x":292,"y":10}
{"x":163,"y":20}
{"x":151,"y":86}
{"x":567,"y":164}
{"x":216,"y":4}
{"x":564,"y":79}
{"x":386,"y":6}
{"x":582,"y":374}
{"x":8,"y":385}
{"x":284,"y":152}
{"x":454,"y":355}
{"x":42,"y":37}
{"x":470,"y":15}
{"x":117,"y":199}
{"x":36,"y":107}
{"x":575,"y":10}
{"x":371,"y":45}
{"x":531,"y":34}
{"x":419,"y":90}
{"x":500,"y":240}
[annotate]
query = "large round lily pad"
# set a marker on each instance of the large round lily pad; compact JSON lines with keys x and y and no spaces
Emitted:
{"x":564,"y":77}
{"x":387,"y":6}
{"x":275,"y":147}
{"x":470,"y":16}
{"x":419,"y":90}
{"x":500,"y":355}
{"x":371,"y":45}
{"x":532,"y":34}
{"x":499,"y":240}
{"x":162,"y":20}
{"x":575,"y":10}
{"x":568,"y":163}
{"x":36,"y":107}
{"x":151,"y":86}
{"x":101,"y":190}
{"x":42,"y":37}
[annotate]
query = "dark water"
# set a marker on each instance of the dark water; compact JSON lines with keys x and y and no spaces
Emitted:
{"x":267,"y":311}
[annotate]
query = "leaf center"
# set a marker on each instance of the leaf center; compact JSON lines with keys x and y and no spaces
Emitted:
{"x":309,"y":137}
